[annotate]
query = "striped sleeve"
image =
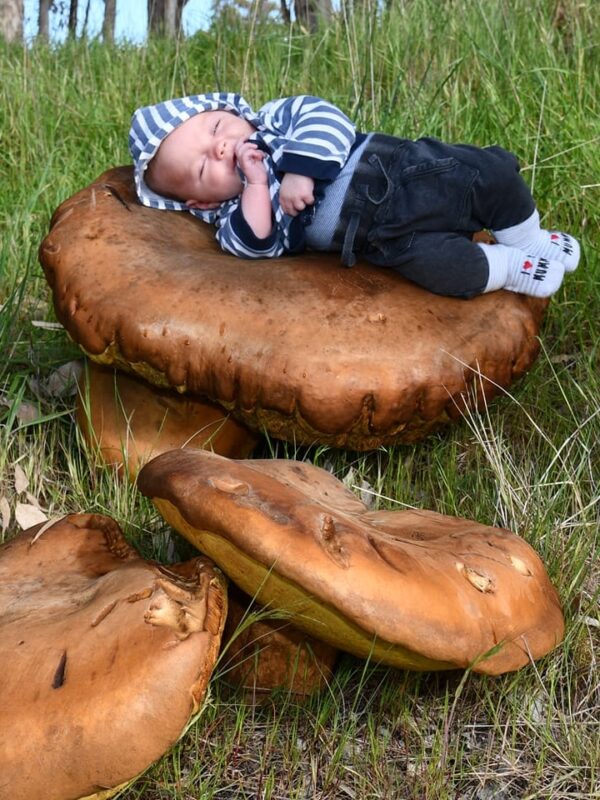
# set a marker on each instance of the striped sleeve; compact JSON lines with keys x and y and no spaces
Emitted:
{"x":237,"y":237}
{"x":310,"y":136}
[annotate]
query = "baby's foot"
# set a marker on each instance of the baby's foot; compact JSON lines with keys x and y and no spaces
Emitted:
{"x":530,"y":238}
{"x":555,"y":246}
{"x":534,"y":275}
{"x":564,"y":248}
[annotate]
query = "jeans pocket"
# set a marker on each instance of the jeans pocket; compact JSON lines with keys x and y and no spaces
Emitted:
{"x":426,"y":168}
{"x":434,"y":195}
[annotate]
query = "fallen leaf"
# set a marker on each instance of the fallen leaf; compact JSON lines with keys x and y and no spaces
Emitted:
{"x":64,"y":380}
{"x":21,"y":481}
{"x":591,"y":622}
{"x":50,"y":326}
{"x":367,"y":493}
{"x":36,"y":386}
{"x":33,"y":500}
{"x":349,"y":477}
{"x":5,"y":513}
{"x":28,"y":412}
{"x":28,"y":515}
{"x":563,"y":358}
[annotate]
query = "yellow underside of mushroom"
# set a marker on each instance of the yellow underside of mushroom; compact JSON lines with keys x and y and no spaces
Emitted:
{"x":307,"y":612}
{"x":105,"y":794}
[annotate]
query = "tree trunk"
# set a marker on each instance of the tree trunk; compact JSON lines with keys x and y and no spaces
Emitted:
{"x":180,"y":4}
{"x":108,"y":23}
{"x":171,"y":18}
{"x":44,"y":19}
{"x":156,"y":16}
{"x":11,"y":20}
{"x":72,"y":25}
{"x":164,"y":17}
{"x":86,"y":19}
{"x":285,"y":12}
{"x":310,"y":12}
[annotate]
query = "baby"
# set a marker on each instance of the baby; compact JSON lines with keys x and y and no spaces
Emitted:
{"x":296,"y":174}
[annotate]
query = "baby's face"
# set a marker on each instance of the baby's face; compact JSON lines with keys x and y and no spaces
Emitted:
{"x":196,"y":162}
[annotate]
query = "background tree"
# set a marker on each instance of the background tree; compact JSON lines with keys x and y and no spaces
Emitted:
{"x":108,"y":22}
{"x":44,"y":19}
{"x":309,"y":13}
{"x":164,"y":17}
{"x":11,"y":20}
{"x":171,"y":26}
{"x":72,"y":24}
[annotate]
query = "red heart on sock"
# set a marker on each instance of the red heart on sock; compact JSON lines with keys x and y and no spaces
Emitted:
{"x":554,"y":236}
{"x":527,"y":265}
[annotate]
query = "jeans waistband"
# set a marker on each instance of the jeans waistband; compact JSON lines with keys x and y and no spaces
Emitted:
{"x":369,"y":188}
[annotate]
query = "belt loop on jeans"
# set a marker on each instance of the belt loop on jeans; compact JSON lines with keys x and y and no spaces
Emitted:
{"x":348,"y":257}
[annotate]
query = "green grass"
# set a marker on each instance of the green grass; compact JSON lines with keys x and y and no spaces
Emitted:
{"x":504,"y":72}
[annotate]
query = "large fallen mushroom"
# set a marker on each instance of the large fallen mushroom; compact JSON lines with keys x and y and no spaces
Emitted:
{"x":352,"y":358}
{"x":129,"y":421}
{"x":104,"y":658}
{"x":411,"y":589}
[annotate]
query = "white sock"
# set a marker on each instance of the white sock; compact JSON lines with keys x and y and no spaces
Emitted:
{"x":552,"y":245}
{"x":497,"y":266}
{"x":515,"y":271}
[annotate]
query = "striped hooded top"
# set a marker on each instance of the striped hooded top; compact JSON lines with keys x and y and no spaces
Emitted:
{"x":304,"y":135}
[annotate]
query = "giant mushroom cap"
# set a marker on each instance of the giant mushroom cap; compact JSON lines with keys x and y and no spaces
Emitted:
{"x":301,"y":347}
{"x":411,"y":589}
{"x":104,"y":657}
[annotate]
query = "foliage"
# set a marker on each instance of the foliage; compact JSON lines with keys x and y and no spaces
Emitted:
{"x":512,"y":72}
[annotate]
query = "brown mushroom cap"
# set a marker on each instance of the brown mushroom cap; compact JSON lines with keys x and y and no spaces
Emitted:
{"x":130,"y":421}
{"x":104,"y":657}
{"x":300,"y":346}
{"x":412,"y":589}
{"x":270,"y":653}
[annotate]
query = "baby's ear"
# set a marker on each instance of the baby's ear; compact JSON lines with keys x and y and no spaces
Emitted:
{"x":200,"y":205}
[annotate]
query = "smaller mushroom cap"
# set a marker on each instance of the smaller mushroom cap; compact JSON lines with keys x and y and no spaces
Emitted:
{"x":104,"y":657}
{"x":412,"y":589}
{"x":131,"y":421}
{"x":270,"y":653}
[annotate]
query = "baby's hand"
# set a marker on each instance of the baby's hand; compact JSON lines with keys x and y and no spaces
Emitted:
{"x":295,"y":193}
{"x":249,"y":159}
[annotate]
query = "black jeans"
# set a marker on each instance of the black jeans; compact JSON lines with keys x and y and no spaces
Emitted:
{"x":413,"y":206}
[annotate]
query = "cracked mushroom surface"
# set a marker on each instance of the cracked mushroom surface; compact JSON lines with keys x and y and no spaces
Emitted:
{"x":105,"y":657}
{"x":412,"y":589}
{"x":300,"y":347}
{"x":130,"y":421}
